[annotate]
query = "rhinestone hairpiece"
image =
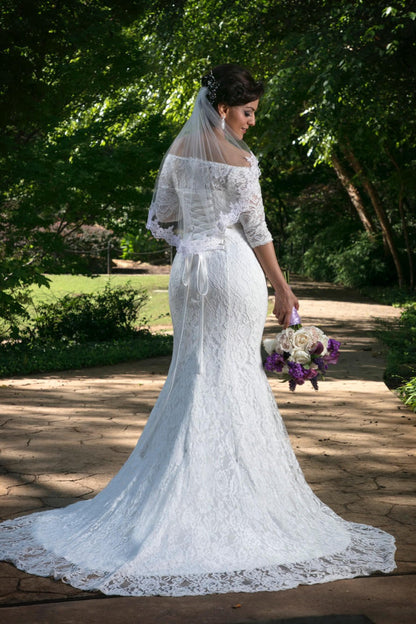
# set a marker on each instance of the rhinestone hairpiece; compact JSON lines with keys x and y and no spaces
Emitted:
{"x":212,"y":85}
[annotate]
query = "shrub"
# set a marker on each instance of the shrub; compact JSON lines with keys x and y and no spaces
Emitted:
{"x":24,"y":358}
{"x":84,"y":330}
{"x":362,"y":262}
{"x":318,"y":261}
{"x":108,"y":315}
{"x":401,"y":356}
{"x":408,"y":393}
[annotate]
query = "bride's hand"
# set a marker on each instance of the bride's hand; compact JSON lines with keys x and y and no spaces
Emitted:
{"x":284,"y":302}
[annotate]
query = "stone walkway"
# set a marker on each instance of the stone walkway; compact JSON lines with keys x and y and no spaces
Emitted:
{"x":64,"y":435}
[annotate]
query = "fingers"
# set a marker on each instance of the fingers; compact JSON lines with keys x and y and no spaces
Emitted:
{"x":286,"y":319}
{"x":283,"y":310}
{"x":283,"y":316}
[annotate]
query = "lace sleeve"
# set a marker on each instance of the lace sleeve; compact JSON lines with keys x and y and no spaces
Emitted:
{"x":253,"y":219}
{"x":165,"y":204}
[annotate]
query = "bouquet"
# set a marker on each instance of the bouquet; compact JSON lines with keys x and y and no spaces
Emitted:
{"x":300,"y":353}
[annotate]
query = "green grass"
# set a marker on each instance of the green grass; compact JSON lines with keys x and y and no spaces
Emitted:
{"x":156,"y":310}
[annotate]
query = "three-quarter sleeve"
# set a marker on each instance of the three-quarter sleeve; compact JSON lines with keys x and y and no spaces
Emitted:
{"x":165,"y":203}
{"x":253,"y":218}
{"x":164,"y":210}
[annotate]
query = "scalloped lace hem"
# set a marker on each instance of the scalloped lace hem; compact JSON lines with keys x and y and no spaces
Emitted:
{"x":371,"y":550}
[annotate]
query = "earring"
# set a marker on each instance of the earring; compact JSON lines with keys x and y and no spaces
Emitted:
{"x":222,"y":123}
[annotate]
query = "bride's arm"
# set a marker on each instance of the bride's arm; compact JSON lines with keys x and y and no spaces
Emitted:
{"x":285,"y":300}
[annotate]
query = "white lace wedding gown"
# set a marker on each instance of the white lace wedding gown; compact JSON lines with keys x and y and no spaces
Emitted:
{"x":212,"y":499}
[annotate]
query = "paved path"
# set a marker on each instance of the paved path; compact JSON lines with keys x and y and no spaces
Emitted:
{"x":64,"y":435}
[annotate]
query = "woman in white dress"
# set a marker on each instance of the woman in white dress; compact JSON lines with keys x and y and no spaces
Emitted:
{"x":212,"y":499}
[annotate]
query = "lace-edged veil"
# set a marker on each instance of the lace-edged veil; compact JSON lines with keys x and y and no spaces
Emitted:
{"x":186,"y":209}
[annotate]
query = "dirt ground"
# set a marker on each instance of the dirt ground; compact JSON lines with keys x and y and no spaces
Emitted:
{"x":64,"y":435}
{"x":126,"y":266}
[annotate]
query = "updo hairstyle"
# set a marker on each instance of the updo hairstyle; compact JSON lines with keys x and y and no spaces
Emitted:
{"x":232,"y":85}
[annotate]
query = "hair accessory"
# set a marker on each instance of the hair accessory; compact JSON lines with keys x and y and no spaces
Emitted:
{"x":212,"y":86}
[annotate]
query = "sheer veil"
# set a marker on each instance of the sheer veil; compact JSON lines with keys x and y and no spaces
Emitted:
{"x":188,"y":208}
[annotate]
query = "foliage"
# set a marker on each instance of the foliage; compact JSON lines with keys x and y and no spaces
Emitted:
{"x":362,"y":261}
{"x":91,"y":94}
{"x":82,"y":250}
{"x":107,"y":315}
{"x":87,"y":329}
{"x":396,"y":297}
{"x":340,"y":83}
{"x":401,"y":355}
{"x":141,"y":245}
{"x":76,"y":121}
{"x":155,"y":310}
{"x":39,"y":357}
{"x":14,"y":292}
{"x":407,"y":393}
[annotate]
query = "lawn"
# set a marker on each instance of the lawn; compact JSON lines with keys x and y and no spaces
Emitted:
{"x":157,"y":286}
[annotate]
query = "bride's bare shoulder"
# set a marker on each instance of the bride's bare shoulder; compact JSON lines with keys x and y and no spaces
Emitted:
{"x":235,"y":156}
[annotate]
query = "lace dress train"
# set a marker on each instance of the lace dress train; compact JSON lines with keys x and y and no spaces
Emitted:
{"x":212,"y":499}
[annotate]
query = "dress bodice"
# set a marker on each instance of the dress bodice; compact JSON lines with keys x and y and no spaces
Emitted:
{"x":198,"y":199}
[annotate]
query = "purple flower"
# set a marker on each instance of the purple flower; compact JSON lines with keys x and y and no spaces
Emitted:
{"x":317,"y":348}
{"x":310,"y":373}
{"x":331,"y":358}
{"x":314,"y":382}
{"x":333,"y":351}
{"x":321,"y":363}
{"x":296,"y":371}
{"x":274,"y":362}
{"x":292,"y":385}
{"x":333,"y":346}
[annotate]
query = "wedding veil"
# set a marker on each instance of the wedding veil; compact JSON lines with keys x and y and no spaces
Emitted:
{"x":188,"y":208}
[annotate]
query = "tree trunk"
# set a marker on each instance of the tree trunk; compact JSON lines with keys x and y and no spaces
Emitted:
{"x":379,"y":210}
{"x":353,"y":194}
{"x":401,"y":201}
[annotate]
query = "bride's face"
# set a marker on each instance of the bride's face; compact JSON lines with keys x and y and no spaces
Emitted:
{"x":239,"y":118}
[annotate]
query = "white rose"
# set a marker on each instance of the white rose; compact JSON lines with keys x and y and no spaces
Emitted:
{"x":269,"y":345}
{"x":300,"y":356}
{"x":284,"y":340}
{"x":303,"y":339}
{"x":318,"y":335}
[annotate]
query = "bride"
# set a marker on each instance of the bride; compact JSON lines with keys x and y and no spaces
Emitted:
{"x":212,"y":499}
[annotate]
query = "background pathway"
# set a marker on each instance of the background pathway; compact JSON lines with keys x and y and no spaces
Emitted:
{"x":64,"y":435}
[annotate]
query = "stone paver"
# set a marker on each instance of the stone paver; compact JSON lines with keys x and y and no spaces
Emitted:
{"x":390,"y":600}
{"x":64,"y":435}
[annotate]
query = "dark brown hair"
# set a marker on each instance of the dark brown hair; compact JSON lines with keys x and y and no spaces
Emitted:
{"x":231,"y":84}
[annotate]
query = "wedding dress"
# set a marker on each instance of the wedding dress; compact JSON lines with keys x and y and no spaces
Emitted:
{"x":212,"y":499}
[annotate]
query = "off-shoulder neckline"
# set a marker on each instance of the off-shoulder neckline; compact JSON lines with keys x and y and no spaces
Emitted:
{"x":250,"y":158}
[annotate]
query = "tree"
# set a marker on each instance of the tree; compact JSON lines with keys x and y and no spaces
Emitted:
{"x":79,"y":141}
{"x":341,"y":84}
{"x":93,"y":92}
